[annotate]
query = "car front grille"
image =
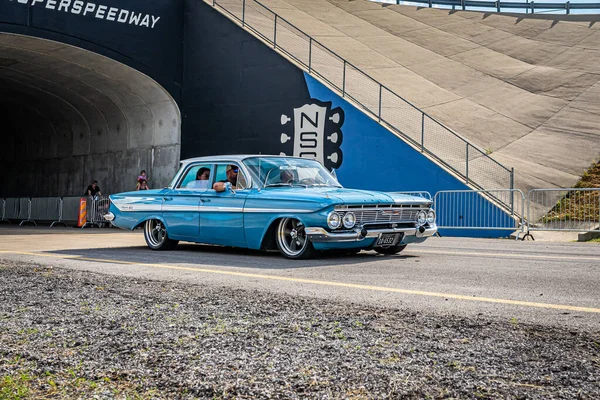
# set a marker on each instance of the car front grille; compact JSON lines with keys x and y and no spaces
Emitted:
{"x":384,"y":213}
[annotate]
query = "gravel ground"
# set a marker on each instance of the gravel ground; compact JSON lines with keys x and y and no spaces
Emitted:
{"x":67,"y":334}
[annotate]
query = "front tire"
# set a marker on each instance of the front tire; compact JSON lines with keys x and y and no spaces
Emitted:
{"x":390,"y":250}
{"x":156,"y":236}
{"x":292,"y":241}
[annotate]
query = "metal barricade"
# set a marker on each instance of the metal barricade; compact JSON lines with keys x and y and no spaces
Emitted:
{"x":60,"y":219}
{"x":45,"y":209}
{"x":70,"y":209}
{"x":3,"y":211}
{"x":496,"y":209}
{"x":97,"y":207}
{"x":11,"y":208}
{"x":564,"y":209}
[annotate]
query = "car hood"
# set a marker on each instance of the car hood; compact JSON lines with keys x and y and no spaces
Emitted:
{"x":341,"y":196}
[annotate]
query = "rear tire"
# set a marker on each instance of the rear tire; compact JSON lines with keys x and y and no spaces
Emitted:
{"x":292,"y":241}
{"x":156,"y":236}
{"x":390,"y":250}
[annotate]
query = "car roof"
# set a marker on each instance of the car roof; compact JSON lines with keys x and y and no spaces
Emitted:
{"x":230,"y":157}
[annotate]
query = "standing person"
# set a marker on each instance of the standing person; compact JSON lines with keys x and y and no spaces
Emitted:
{"x":143,"y":185}
{"x":141,"y":177}
{"x":93,"y":190}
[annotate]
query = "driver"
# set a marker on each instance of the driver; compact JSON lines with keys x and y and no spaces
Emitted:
{"x":286,"y":176}
{"x":232,"y":173}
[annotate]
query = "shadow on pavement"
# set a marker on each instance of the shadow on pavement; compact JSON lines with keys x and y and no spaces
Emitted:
{"x":203,"y":255}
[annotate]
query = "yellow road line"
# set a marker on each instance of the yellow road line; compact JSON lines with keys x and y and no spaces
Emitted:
{"x":328,"y":283}
{"x":506,"y":255}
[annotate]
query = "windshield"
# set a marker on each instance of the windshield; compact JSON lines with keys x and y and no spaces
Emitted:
{"x":284,"y":171}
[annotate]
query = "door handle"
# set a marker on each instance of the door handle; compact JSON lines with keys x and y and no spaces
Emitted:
{"x":167,"y":198}
{"x":204,"y":200}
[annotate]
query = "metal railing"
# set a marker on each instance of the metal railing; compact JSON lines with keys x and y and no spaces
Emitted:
{"x":566,"y":209}
{"x":481,"y":209}
{"x":529,"y":7}
{"x":398,"y":115}
{"x":56,"y":210}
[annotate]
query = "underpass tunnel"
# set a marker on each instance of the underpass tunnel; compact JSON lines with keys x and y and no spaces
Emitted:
{"x":69,"y":116}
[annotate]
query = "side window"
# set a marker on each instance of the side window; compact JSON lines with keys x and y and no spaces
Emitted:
{"x":221,"y":175}
{"x":197,"y":177}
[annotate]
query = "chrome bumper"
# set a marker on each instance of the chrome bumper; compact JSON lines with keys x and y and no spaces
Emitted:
{"x":321,"y":235}
{"x":109,"y":216}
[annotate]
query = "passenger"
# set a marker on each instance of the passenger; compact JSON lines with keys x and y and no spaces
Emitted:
{"x":143,"y":185}
{"x":93,"y":190}
{"x":232,"y":173}
{"x":201,"y":181}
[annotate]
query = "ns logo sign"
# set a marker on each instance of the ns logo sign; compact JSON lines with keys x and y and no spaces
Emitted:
{"x":315,"y":132}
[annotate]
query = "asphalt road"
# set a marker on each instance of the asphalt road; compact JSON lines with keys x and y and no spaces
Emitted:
{"x":547,"y":283}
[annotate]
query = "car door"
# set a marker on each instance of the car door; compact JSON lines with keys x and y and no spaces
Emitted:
{"x":181,"y":207}
{"x":222,"y":213}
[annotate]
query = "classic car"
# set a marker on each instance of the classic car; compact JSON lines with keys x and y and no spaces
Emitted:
{"x":289,"y":204}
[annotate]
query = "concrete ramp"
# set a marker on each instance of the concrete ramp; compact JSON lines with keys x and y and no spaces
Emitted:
{"x":525,"y":89}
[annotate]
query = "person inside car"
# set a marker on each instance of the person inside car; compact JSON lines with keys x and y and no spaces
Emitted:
{"x":201,"y":181}
{"x":232,"y":174}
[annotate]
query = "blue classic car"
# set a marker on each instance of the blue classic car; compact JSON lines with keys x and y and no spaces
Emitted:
{"x":270,"y":202}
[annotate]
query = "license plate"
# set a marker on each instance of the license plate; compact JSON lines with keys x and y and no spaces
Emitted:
{"x":386,"y":239}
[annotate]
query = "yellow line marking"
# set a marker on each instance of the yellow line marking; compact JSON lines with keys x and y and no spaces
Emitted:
{"x":329,"y":283}
{"x":506,"y":255}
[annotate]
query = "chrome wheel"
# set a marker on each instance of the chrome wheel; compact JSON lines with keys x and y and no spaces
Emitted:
{"x":156,"y":236}
{"x":291,"y":239}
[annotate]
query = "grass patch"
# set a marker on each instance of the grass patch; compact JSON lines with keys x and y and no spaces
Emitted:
{"x":578,"y":206}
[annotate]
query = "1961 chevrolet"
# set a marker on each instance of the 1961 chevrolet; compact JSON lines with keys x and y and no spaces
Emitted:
{"x":272,"y":202}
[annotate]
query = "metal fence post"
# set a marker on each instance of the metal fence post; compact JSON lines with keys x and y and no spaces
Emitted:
{"x":532,"y":7}
{"x":498,"y":5}
{"x":344,"y":80}
{"x":512,"y":178}
{"x":244,"y":13}
{"x":467,"y":166}
{"x":275,"y":33}
{"x":380,"y":90}
{"x":310,"y":54}
{"x":462,"y":3}
{"x":568,"y":7}
{"x":422,"y":132}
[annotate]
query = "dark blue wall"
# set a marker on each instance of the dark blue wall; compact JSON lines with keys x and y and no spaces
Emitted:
{"x":156,"y":51}
{"x":234,"y":89}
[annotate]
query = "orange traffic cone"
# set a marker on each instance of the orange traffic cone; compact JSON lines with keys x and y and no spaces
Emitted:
{"x":82,"y":212}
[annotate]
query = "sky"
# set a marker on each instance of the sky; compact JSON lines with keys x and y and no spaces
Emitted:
{"x":559,"y":10}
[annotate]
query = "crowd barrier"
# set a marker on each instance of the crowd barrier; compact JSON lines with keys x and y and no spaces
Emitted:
{"x":54,"y":210}
{"x":499,"y":209}
{"x":564,"y":209}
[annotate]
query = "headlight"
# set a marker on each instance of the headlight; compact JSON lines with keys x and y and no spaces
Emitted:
{"x":334,"y":220}
{"x":430,"y":217}
{"x":349,"y":220}
{"x":421,"y":217}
